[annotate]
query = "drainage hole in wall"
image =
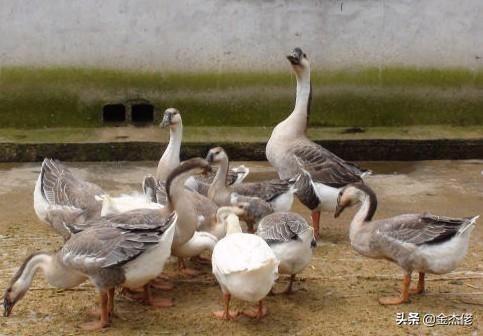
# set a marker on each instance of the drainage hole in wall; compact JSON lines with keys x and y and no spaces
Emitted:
{"x":142,"y":113}
{"x":114,"y":113}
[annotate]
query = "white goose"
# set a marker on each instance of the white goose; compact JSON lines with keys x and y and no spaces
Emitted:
{"x":245,"y":268}
{"x":416,"y":242}
{"x":107,"y":253}
{"x":291,"y":239}
{"x":289,"y":150}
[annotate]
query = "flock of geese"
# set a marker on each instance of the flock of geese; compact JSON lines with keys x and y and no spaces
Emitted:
{"x":190,"y":207}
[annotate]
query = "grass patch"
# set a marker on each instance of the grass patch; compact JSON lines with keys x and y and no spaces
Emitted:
{"x":62,"y":97}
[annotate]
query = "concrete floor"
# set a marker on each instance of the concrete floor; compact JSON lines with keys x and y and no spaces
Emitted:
{"x":338,"y":292}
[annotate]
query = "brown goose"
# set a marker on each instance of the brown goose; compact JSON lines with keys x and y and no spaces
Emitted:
{"x":279,"y":193}
{"x":109,"y":254}
{"x":291,"y":152}
{"x":416,"y":242}
{"x":60,"y":196}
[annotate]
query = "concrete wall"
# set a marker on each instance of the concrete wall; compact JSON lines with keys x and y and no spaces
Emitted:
{"x":250,"y":34}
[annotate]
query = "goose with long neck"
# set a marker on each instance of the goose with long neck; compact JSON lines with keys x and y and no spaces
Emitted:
{"x":291,"y":153}
{"x":109,"y":254}
{"x":278,"y":193}
{"x":422,"y":242}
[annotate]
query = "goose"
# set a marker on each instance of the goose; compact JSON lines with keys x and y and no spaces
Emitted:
{"x":416,"y":242}
{"x":291,"y":238}
{"x":171,"y":156}
{"x":288,"y":150}
{"x":245,"y":267}
{"x":279,"y":193}
{"x":254,"y":209}
{"x":60,"y":196}
{"x":108,"y":254}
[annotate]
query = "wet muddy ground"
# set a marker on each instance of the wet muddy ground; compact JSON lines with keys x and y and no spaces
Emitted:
{"x":337,"y":293}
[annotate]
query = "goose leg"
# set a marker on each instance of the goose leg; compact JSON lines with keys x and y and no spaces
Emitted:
{"x":186,"y":270}
{"x":420,"y":288}
{"x":402,"y":298}
{"x":315,"y":223}
{"x":163,"y":284}
{"x":110,"y":303}
{"x":258,"y":313}
{"x":104,"y":318}
{"x":226,"y":314}
{"x":288,"y":290}
{"x":157,"y":303}
{"x":96,"y":312}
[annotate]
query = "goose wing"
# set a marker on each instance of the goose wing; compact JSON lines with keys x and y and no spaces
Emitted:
{"x":111,"y":244}
{"x":325,"y":167}
{"x":155,"y":190}
{"x":139,"y":219}
{"x":282,"y":227}
{"x":266,"y":190}
{"x":60,"y":187}
{"x":421,"y":229}
{"x":105,"y":246}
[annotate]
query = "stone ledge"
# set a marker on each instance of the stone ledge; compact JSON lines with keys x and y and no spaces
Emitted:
{"x":353,"y":150}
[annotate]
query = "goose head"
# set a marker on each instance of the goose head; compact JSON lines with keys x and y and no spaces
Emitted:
{"x":171,"y":118}
{"x":186,"y":169}
{"x":11,"y":297}
{"x":299,"y":61}
{"x":348,"y":196}
{"x":353,"y":194}
{"x":228,"y":215}
{"x":216,"y":155}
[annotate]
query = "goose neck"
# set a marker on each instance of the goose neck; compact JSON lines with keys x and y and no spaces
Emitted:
{"x":233,"y":224}
{"x":296,"y":123}
{"x":23,"y":278}
{"x":219,"y":181}
{"x":363,"y":215}
{"x":170,"y":158}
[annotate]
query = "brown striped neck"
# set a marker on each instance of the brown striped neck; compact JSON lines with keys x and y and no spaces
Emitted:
{"x":370,"y":198}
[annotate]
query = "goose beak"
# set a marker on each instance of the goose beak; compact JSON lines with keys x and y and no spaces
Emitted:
{"x":209,"y":157}
{"x":166,"y":121}
{"x":294,"y":57}
{"x":7,"y":306}
{"x":338,"y":210}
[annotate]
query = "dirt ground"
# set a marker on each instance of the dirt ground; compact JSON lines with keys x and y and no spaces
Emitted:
{"x":337,"y":293}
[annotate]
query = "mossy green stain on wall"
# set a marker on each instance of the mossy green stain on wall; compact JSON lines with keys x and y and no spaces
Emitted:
{"x":60,"y":97}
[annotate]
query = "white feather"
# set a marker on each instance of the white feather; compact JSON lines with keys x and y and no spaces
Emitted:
{"x":245,"y":266}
